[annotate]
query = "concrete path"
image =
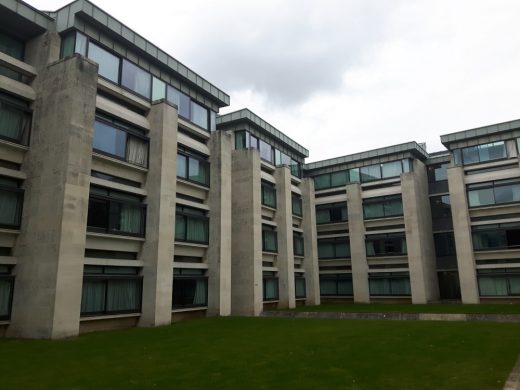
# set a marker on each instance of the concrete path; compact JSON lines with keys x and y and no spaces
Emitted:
{"x":511,"y":318}
{"x":513,"y":381}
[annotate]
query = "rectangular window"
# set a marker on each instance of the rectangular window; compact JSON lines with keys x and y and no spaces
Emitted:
{"x":480,"y":153}
{"x":370,"y":173}
{"x":297,"y":208}
{"x":181,"y":100}
{"x":241,"y":140}
{"x":266,"y":151}
{"x":299,"y":286}
{"x":108,"y":63}
{"x":15,"y":119}
{"x":11,"y":203}
{"x":158,"y":89}
{"x":444,"y":244}
{"x":190,"y":288}
{"x":192,"y":166}
{"x":298,"y":244}
{"x":383,"y":207}
{"x":499,"y":282}
{"x":6,"y":292}
{"x":441,"y":212}
{"x":12,"y":46}
{"x":339,"y":285}
{"x":389,"y":284}
{"x":269,"y":239}
{"x":497,"y":236}
{"x":438,"y":172}
{"x":111,"y":290}
{"x":334,"y":248}
{"x":493,"y":192}
{"x":199,"y":115}
{"x":115,"y":212}
{"x":191,"y":225}
{"x":136,"y":79}
{"x":331,"y":213}
{"x":391,"y":244}
{"x":270,"y":286}
{"x":296,"y":169}
{"x":322,"y":181}
{"x":121,"y":141}
{"x":268,"y":194}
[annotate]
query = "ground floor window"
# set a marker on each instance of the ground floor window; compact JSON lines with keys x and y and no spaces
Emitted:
{"x":111,"y":290}
{"x":336,"y":285}
{"x":389,"y":283}
{"x":190,"y":288}
{"x":299,"y":285}
{"x":499,"y":282}
{"x":270,"y":286}
{"x":6,"y":292}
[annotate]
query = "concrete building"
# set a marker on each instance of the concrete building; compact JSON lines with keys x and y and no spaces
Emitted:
{"x":125,"y":200}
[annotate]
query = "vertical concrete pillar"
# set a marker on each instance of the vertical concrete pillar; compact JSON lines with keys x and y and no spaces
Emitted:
{"x":43,"y":50}
{"x":246,"y":231}
{"x":157,"y":251}
{"x":310,"y":261}
{"x":419,"y":236}
{"x":283,"y":219}
{"x":219,"y":251}
{"x":462,"y":231}
{"x":356,"y":228}
{"x":50,"y":248}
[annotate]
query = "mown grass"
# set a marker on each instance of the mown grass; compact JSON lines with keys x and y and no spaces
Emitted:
{"x":429,"y":308}
{"x":270,"y":353}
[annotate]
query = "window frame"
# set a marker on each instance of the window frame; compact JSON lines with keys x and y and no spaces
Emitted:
{"x":20,"y":194}
{"x":106,"y":278}
{"x":335,"y":241}
{"x":329,"y":207}
{"x":8,"y":277}
{"x":501,"y":273}
{"x":268,"y":229}
{"x":383,"y":200}
{"x":490,"y":185}
{"x":501,"y":228}
{"x":111,"y":214}
{"x":337,"y":278}
{"x":458,"y":154}
{"x":202,"y":160}
{"x":18,"y":104}
{"x":297,"y":236}
{"x":386,"y":236}
{"x":264,"y":187}
{"x":181,"y":210}
{"x":130,"y":131}
{"x":192,"y":277}
{"x":390,"y":276}
{"x":270,"y":278}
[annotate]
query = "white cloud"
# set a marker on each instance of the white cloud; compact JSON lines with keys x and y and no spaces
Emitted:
{"x":342,"y":77}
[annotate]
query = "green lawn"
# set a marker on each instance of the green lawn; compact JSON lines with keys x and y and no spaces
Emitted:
{"x":430,"y":308}
{"x":270,"y":353}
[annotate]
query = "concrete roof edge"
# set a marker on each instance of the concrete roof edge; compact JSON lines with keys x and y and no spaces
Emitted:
{"x":481,"y":131}
{"x":247,"y":115}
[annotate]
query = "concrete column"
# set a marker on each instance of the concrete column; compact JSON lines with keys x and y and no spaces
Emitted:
{"x":462,"y":231}
{"x":219,"y":251}
{"x":310,"y":261}
{"x":161,"y":183}
{"x":246,"y":230}
{"x":419,"y":236}
{"x":51,"y":246}
{"x":284,"y":231}
{"x":43,"y":50}
{"x":356,"y":228}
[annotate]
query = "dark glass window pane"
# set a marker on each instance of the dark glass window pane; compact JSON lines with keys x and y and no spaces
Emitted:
{"x":11,"y":46}
{"x":266,"y":151}
{"x":441,"y":173}
{"x":123,"y":295}
{"x":444,"y":244}
{"x":198,"y":171}
{"x":470,"y":155}
{"x":482,"y":197}
{"x":322,"y":181}
{"x":370,"y":173}
{"x":14,"y":123}
{"x":109,"y":139}
{"x":136,"y":79}
{"x":181,"y":100}
{"x":93,"y":297}
{"x":338,"y":179}
{"x":108,"y":63}
{"x":182,"y":166}
{"x":98,"y":213}
{"x":492,"y":151}
{"x":299,"y":286}
{"x":392,"y":169}
{"x":199,"y":115}
{"x":354,"y":176}
{"x":241,"y":140}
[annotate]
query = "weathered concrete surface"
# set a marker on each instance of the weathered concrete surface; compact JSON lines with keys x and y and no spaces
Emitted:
{"x":462,"y":232}
{"x":513,"y":381}
{"x":419,"y":236}
{"x":283,"y":219}
{"x":157,"y":251}
{"x":246,"y":244}
{"x":513,"y":318}
{"x":310,"y":260}
{"x":50,"y":249}
{"x":219,"y":251}
{"x":356,"y":228}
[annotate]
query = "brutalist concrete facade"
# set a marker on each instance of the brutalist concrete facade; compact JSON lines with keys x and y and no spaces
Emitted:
{"x":125,"y":200}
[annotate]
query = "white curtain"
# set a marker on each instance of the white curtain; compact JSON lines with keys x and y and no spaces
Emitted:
{"x":137,"y":152}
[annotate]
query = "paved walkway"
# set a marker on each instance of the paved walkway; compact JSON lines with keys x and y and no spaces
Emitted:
{"x":513,"y":381}
{"x":514,"y":318}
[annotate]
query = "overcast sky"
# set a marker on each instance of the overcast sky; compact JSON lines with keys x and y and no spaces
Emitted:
{"x":345,"y":76}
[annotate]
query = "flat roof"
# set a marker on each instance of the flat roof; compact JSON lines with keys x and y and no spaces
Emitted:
{"x":413,"y":147}
{"x":479,"y":132}
{"x":246,"y":115}
{"x":23,"y":20}
{"x":65,"y":20}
